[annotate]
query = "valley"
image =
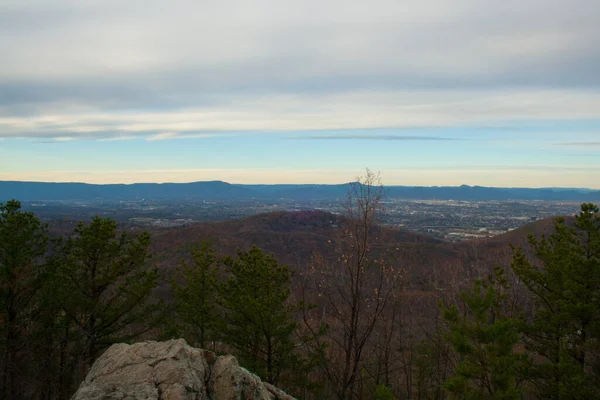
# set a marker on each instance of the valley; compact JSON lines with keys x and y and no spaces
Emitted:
{"x":449,"y":220}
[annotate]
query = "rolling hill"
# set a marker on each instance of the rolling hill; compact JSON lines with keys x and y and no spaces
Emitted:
{"x":295,"y":237}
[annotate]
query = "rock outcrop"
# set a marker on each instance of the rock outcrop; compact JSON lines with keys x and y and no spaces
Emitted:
{"x":171,"y":370}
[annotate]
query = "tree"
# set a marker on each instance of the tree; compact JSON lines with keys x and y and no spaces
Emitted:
{"x":258,"y":315}
{"x":23,"y":242}
{"x":484,"y":341}
{"x":102,"y":282}
{"x":195,"y":295}
{"x":431,"y":367}
{"x":564,"y":330}
{"x":383,"y":392}
{"x":356,"y":287}
{"x":54,"y":347}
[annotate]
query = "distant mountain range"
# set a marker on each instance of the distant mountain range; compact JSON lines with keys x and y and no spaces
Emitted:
{"x":218,"y":190}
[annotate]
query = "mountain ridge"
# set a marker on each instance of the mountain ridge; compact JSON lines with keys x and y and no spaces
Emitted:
{"x":219,"y":190}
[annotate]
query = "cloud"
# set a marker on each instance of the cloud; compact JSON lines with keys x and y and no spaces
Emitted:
{"x":116,"y":138}
{"x":162,"y":136}
{"x":580,"y":147}
{"x":310,"y":112}
{"x":268,"y":44}
{"x":110,"y":69}
{"x":579,"y":144}
{"x":377,"y":137}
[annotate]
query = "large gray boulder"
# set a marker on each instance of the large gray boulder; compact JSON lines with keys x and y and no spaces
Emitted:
{"x":171,"y":370}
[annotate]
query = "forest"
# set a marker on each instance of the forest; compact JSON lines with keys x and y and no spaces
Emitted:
{"x":346,"y":323}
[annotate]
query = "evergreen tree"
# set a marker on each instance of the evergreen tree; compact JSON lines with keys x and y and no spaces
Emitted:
{"x":258,"y":315}
{"x":55,"y":373}
{"x":564,"y":329}
{"x":102,"y":282}
{"x":484,"y":341}
{"x":23,"y":242}
{"x":194,"y":291}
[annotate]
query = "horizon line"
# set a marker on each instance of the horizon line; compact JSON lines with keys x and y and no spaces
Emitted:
{"x":300,"y":184}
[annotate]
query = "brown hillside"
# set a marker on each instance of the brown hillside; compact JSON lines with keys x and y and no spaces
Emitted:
{"x":294,"y":237}
{"x":478,"y":257}
{"x":519,"y":235}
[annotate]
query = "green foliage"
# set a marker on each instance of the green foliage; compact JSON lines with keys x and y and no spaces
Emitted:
{"x":102,"y":283}
{"x":258,"y":317}
{"x":194,"y":291}
{"x":23,"y":242}
{"x":384,"y":393}
{"x":564,"y":329}
{"x":485,"y":342}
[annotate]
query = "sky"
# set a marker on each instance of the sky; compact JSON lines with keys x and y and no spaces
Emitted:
{"x":427,"y":92}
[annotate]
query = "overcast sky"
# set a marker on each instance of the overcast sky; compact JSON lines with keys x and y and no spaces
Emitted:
{"x":495,"y":93}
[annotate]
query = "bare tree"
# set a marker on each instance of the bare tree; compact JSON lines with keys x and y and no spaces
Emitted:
{"x":356,"y":287}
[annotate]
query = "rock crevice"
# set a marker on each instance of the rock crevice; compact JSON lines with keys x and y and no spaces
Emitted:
{"x":171,"y":370}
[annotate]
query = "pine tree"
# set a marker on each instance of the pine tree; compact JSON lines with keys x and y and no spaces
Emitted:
{"x":484,"y":341}
{"x":102,"y":282}
{"x":259,"y":319}
{"x":23,"y":242}
{"x":564,"y":329}
{"x":194,"y":291}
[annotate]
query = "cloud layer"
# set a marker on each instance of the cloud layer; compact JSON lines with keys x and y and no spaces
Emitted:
{"x":162,"y":70}
{"x":308,"y":112}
